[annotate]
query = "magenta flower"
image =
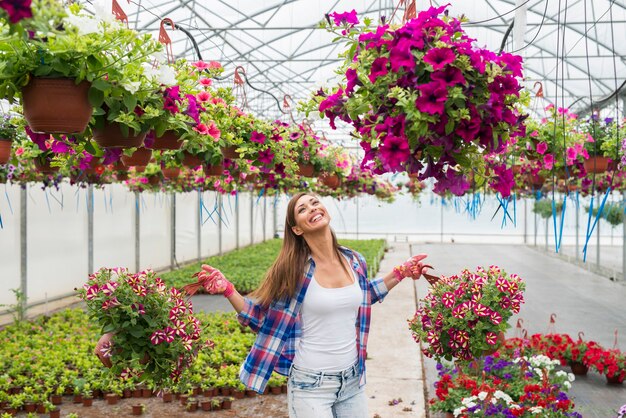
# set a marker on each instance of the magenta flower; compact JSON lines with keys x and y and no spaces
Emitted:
{"x":140,"y":290}
{"x":266,"y":156}
{"x":110,"y":303}
{"x":169,"y":334}
{"x":257,"y":137}
{"x":491,"y":338}
{"x":202,"y":129}
{"x":548,"y":161}
{"x":400,"y":55}
{"x":348,"y":18}
{"x":139,"y":308}
{"x":178,"y":327}
{"x":214,"y":131}
{"x":352,"y":80}
{"x":480,"y":309}
{"x":433,"y":98}
{"x":503,"y":181}
{"x":448,"y":299}
{"x":157,"y":337}
{"x":379,"y":69}
{"x":92,"y":292}
{"x":193,"y":110}
{"x":394,"y":152}
{"x":200,"y":65}
{"x":451,"y":76}
{"x":109,"y":288}
{"x":542,"y":147}
{"x":439,"y":57}
{"x":496,"y":318}
{"x":17,"y":9}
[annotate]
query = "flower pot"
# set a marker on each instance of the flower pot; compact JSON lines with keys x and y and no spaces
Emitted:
{"x":275,"y":390}
{"x":111,"y":136}
{"x":238,"y":394}
{"x":192,"y":406}
{"x":536,"y":180}
{"x":208,"y":393}
{"x":449,"y":415}
{"x":78,"y":398}
{"x":613,"y":380}
{"x":225,"y":391}
{"x":56,"y":105}
{"x":41,"y":409}
{"x":230,"y":152}
{"x":5,"y":150}
{"x":191,"y":160}
{"x":127,"y":392}
{"x":205,"y":405}
{"x":141,"y":156}
{"x":55,"y":413}
{"x":111,"y":398}
{"x":137,"y":409}
{"x":168,"y":397}
{"x":146,"y":393}
{"x":56,"y":399}
{"x":137,"y":393}
{"x":213,"y":170}
{"x":596,"y":164}
{"x":283,"y":389}
{"x":578,"y":368}
{"x":250,"y":393}
{"x":44,"y":166}
{"x":30,"y":407}
{"x":331,"y":181}
{"x":306,"y":170}
{"x":171,"y":173}
{"x":87,"y":402}
{"x":169,"y":140}
{"x":183,"y":399}
{"x":227,"y":404}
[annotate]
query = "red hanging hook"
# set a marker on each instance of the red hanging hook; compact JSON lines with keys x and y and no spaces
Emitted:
{"x":580,"y":336}
{"x":118,"y":12}
{"x":164,"y":38}
{"x":410,"y":12}
{"x":238,"y":79}
{"x":539,"y":92}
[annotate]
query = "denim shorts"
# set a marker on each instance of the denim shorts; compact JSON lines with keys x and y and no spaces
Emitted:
{"x":313,"y":394}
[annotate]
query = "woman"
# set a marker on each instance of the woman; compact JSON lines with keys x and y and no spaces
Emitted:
{"x":307,"y":311}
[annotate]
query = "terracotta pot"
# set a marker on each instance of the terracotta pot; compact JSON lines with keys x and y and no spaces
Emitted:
{"x":127,"y":392}
{"x":111,"y":136}
{"x":87,"y":402}
{"x":78,"y":398}
{"x":146,"y":393}
{"x":41,"y":409}
{"x":192,"y":406}
{"x":449,"y":415}
{"x":11,"y":411}
{"x":137,"y":393}
{"x":227,"y":404}
{"x":137,"y":409}
{"x":171,"y":173}
{"x":213,"y":170}
{"x":56,"y":105}
{"x":250,"y":393}
{"x":55,"y":413}
{"x":331,"y":181}
{"x":44,"y":166}
{"x":225,"y":391}
{"x":238,"y":394}
{"x":183,"y":399}
{"x":536,"y":180}
{"x":140,"y":168}
{"x":30,"y":407}
{"x":596,"y":164}
{"x":578,"y":368}
{"x":112,"y":398}
{"x":191,"y":161}
{"x":168,"y":397}
{"x":140,"y":157}
{"x":56,"y":399}
{"x":169,"y":140}
{"x":5,"y":150}
{"x":275,"y":390}
{"x":306,"y":170}
{"x":230,"y":152}
{"x":613,"y":380}
{"x":208,"y":393}
{"x":283,"y":389}
{"x":205,"y":405}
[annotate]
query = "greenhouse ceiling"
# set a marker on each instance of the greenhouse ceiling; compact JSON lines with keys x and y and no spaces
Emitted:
{"x":575,"y":48}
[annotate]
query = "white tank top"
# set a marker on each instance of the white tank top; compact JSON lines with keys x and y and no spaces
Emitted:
{"x":328,"y":340}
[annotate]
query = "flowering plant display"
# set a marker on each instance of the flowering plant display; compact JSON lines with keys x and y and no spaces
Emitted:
{"x":156,"y":334}
{"x":8,"y":127}
{"x":603,"y":136}
{"x":15,"y":10}
{"x":464,"y":315}
{"x":423,"y":99}
{"x":611,"y":363}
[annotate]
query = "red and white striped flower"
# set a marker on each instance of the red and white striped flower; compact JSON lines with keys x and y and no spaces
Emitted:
{"x":157,"y":337}
{"x":448,"y":299}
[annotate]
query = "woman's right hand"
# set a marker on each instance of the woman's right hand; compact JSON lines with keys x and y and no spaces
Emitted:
{"x":103,"y":349}
{"x":214,"y":281}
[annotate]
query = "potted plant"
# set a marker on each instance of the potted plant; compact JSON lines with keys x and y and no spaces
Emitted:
{"x":464,"y":316}
{"x":216,"y":404}
{"x":191,"y":404}
{"x":403,"y":90}
{"x":8,"y":132}
{"x":52,"y":59}
{"x":227,"y":402}
{"x":601,"y":144}
{"x":138,"y":409}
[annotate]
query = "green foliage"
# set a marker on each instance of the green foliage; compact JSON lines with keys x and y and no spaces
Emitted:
{"x":543,"y":208}
{"x":613,"y":213}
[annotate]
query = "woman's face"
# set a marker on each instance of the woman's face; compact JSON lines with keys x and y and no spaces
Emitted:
{"x":310,"y":215}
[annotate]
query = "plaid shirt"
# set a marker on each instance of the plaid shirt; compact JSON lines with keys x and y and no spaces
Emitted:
{"x":278,"y":326}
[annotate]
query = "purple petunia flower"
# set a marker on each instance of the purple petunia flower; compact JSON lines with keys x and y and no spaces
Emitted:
{"x":257,"y":137}
{"x":266,"y":156}
{"x":345,"y":18}
{"x":433,"y":98}
{"x":379,"y":69}
{"x":439,"y":57}
{"x":17,"y":9}
{"x":393,"y":152}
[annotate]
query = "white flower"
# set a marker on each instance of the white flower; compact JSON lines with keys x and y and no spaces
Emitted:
{"x":482,"y":396}
{"x":567,"y":385}
{"x":84,"y":24}
{"x":571,"y":377}
{"x":131,"y":86}
{"x":149,"y":70}
{"x":166,"y":75}
{"x":458,"y":411}
{"x":102,"y":12}
{"x":501,"y":395}
{"x":535,"y":409}
{"x":468,"y":401}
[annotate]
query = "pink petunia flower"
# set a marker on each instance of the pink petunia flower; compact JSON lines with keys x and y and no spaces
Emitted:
{"x":348,"y":18}
{"x":200,"y":65}
{"x":206,"y":82}
{"x":542,"y":147}
{"x":203,"y":96}
{"x":433,"y":98}
{"x":201,"y":128}
{"x":257,"y":137}
{"x":439,"y":57}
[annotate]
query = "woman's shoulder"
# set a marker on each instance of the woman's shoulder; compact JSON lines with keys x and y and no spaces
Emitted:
{"x":353,"y":253}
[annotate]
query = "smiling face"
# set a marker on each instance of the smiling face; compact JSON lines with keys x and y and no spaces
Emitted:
{"x":310,"y":215}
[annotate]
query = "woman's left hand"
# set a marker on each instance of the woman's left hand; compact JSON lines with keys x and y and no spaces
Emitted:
{"x":413,"y":268}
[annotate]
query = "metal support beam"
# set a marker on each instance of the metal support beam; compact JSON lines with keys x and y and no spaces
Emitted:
{"x":275,"y":215}
{"x":264,"y":217}
{"x":199,"y":226}
{"x":23,"y":247}
{"x":137,"y":234}
{"x":251,"y":218}
{"x":624,"y":239}
{"x":219,"y":225}
{"x":577,"y":229}
{"x":90,"y":229}
{"x":237,"y":220}
{"x":525,"y":221}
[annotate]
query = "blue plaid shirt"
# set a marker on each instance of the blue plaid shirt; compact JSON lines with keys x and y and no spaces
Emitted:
{"x":278,"y":326}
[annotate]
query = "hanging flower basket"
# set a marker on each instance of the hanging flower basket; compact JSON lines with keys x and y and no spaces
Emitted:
{"x":230,"y":152}
{"x":111,"y":136}
{"x":191,"y":160}
{"x":5,"y":150}
{"x":213,"y":170}
{"x":171,"y":173}
{"x":168,"y":141}
{"x":331,"y":181}
{"x":56,"y":105}
{"x":306,"y":170}
{"x":44,"y":166}
{"x":141,"y":157}
{"x":596,"y":164}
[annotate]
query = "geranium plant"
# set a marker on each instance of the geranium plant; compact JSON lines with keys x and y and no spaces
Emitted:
{"x":463,"y":315}
{"x":156,"y":334}
{"x":423,"y":99}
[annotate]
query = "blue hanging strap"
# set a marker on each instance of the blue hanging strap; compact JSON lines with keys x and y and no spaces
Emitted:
{"x":203,"y":208}
{"x":223,"y":215}
{"x":590,"y":231}
{"x":1,"y":224}
{"x":77,"y":194}
{"x":47,"y":200}
{"x":111,"y":200}
{"x":143,"y":203}
{"x":260,"y":195}
{"x":560,"y":237}
{"x":6,"y":194}
{"x":515,"y":210}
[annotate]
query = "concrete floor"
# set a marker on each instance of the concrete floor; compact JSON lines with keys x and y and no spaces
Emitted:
{"x":581,"y":300}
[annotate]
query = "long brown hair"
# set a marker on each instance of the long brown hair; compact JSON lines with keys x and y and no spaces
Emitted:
{"x":283,"y":277}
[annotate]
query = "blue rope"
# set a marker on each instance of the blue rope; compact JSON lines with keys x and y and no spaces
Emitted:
{"x":260,"y":195}
{"x":558,"y":243}
{"x":515,"y":210}
{"x":6,"y":194}
{"x":590,"y":231}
